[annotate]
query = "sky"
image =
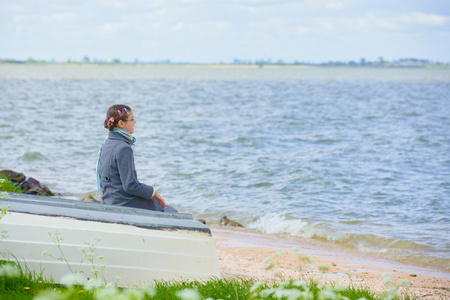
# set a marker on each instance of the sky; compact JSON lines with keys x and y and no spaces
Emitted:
{"x":215,"y":31}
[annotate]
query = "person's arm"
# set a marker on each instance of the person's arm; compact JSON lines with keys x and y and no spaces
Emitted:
{"x":127,"y":172}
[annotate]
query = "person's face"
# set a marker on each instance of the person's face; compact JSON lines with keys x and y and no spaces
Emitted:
{"x":128,"y":124}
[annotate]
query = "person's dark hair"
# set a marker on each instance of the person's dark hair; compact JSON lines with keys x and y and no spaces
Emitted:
{"x":116,"y":113}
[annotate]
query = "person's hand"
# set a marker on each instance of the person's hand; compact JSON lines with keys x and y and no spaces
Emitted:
{"x":160,"y":199}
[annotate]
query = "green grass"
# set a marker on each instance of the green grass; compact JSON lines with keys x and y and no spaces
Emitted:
{"x":215,"y":289}
{"x":17,"y":284}
{"x":7,"y":186}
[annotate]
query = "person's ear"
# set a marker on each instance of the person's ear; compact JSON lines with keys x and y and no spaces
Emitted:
{"x":120,"y":124}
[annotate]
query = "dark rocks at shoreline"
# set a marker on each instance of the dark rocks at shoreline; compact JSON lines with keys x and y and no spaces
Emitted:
{"x":224,"y":221}
{"x":29,"y":185}
{"x":90,"y":198}
{"x":14,"y":176}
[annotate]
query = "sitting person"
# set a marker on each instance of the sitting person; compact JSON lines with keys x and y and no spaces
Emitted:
{"x":116,"y":173}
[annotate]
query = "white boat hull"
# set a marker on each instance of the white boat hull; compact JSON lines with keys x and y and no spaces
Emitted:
{"x":126,"y":254}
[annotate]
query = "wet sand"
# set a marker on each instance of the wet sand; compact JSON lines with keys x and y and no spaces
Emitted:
{"x":247,"y":255}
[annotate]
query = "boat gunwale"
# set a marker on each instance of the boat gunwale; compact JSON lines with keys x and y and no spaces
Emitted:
{"x":104,"y":213}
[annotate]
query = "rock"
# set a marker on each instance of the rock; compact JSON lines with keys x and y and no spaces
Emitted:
{"x":14,"y":176}
{"x":32,"y":186}
{"x":224,"y":221}
{"x":28,"y":185}
{"x":201,"y":221}
{"x":90,"y":198}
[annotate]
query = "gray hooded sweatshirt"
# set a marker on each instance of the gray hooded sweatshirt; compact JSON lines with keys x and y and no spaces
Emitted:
{"x":118,"y":178}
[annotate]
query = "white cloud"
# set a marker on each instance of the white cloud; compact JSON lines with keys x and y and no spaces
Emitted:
{"x":111,"y":28}
{"x":425,"y":19}
{"x":334,"y":5}
{"x":128,"y":5}
{"x":381,"y":22}
{"x":53,"y":19}
{"x":327,"y":24}
{"x":180,"y":26}
{"x":302,"y":30}
{"x":26,"y":25}
{"x":353,"y":25}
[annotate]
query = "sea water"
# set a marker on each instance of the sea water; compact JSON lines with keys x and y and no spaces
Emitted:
{"x":352,"y":157}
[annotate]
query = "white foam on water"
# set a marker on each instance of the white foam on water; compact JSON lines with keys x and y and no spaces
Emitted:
{"x":281,"y":224}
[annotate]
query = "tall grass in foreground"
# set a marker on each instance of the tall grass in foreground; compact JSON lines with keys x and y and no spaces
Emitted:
{"x":15,"y":283}
{"x":8,"y":186}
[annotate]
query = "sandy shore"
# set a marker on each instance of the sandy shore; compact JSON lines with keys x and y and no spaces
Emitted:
{"x":247,"y":255}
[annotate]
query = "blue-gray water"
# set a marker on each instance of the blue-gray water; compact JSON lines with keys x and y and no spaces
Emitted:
{"x":358,"y":158}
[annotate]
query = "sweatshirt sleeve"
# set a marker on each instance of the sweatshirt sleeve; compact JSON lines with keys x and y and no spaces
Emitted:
{"x":127,"y":172}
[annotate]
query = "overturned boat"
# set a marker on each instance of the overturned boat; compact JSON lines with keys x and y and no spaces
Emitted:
{"x":127,"y":246}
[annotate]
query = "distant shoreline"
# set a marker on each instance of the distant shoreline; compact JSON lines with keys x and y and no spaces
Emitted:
{"x":219,"y":72}
{"x":226,"y":65}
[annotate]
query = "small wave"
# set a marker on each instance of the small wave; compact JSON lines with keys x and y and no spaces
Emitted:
{"x":242,"y":140}
{"x":262,"y":184}
{"x":374,"y":243}
{"x":326,"y":141}
{"x":352,"y":222}
{"x":296,"y":123}
{"x":422,"y":140}
{"x":65,"y":141}
{"x":379,"y":246}
{"x":399,"y":250}
{"x":278,"y":224}
{"x":31,"y":156}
